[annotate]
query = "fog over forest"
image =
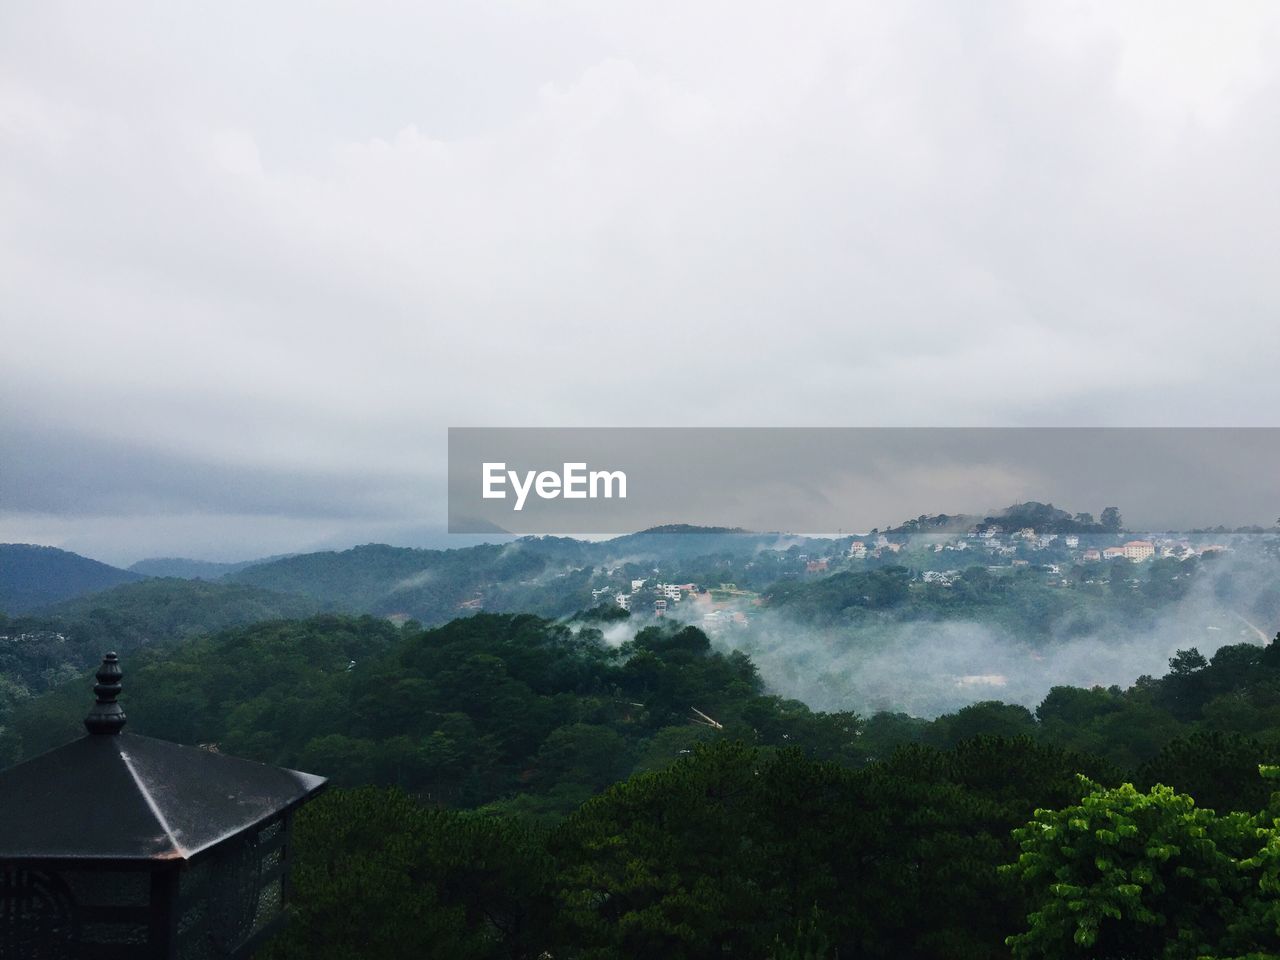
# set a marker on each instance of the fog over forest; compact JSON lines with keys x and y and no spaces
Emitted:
{"x":926,"y":668}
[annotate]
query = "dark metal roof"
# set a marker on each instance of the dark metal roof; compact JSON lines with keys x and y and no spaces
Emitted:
{"x":115,"y":796}
{"x":126,"y":797}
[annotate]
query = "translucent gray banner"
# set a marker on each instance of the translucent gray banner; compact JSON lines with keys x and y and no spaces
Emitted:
{"x":830,"y":480}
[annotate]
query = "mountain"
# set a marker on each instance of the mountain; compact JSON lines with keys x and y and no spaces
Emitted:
{"x":187,"y":569}
{"x":433,"y":585}
{"x":548,"y":576}
{"x":33,"y":576}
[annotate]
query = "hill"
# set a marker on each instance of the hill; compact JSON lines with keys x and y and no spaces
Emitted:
{"x":190,"y":569}
{"x":736,"y":825}
{"x":171,"y":608}
{"x":32,"y":576}
{"x":548,"y":576}
{"x":485,"y":708}
{"x":38,"y":651}
{"x":1042,"y":517}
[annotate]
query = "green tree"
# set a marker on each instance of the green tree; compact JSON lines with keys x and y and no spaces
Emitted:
{"x":1126,"y":874}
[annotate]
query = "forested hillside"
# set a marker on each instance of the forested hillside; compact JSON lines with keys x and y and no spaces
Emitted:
{"x":40,"y":650}
{"x":735,"y":850}
{"x":602,"y":785}
{"x":510,"y":709}
{"x":431,"y":585}
{"x":32,"y":577}
{"x":509,"y":706}
{"x":549,"y":576}
{"x":189,"y":569}
{"x":656,"y":801}
{"x":743,"y":853}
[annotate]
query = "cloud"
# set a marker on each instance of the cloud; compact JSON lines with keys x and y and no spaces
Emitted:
{"x":302,"y":242}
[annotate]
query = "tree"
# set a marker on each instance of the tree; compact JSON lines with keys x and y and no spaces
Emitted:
{"x":986,"y":718}
{"x":1111,"y":521}
{"x":1186,"y":662}
{"x":1125,"y":874}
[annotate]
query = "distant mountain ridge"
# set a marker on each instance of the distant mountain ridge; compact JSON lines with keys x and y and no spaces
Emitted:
{"x":33,"y":576}
{"x":185,"y":568}
{"x":545,"y":575}
{"x":548,"y":576}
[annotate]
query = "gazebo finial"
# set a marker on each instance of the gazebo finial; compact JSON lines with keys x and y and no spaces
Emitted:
{"x":107,"y":717}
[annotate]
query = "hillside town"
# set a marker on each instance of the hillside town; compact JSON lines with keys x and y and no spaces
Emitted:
{"x":933,"y":559}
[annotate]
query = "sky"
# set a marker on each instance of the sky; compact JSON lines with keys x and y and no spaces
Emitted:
{"x":256,"y":259}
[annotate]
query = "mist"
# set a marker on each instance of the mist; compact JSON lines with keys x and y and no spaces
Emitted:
{"x":929,"y":668}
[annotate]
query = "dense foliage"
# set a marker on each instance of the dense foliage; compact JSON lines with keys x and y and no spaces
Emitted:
{"x":731,"y":851}
{"x":493,"y":708}
{"x":40,"y":651}
{"x":735,"y":852}
{"x":535,"y":716}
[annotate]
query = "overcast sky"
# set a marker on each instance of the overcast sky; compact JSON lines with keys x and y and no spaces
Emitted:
{"x":255,"y":259}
